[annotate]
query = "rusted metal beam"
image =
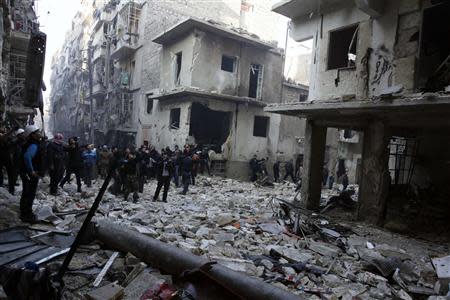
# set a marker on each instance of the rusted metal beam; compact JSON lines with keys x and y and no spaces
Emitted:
{"x":172,"y":260}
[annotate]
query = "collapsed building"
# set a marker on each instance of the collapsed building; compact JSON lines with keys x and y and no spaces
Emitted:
{"x":22,"y":48}
{"x":379,"y":68}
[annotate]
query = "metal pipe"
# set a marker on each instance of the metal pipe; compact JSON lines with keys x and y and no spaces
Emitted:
{"x":172,"y":260}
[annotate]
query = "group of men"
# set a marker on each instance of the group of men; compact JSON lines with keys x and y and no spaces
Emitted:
{"x":25,"y":153}
{"x":258,"y":168}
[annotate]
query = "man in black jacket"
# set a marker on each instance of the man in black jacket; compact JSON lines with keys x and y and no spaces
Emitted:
{"x":55,"y":159}
{"x":164,"y":172}
{"x":74,"y":163}
{"x":186,"y":169}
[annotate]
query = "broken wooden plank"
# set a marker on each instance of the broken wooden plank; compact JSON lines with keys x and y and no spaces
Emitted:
{"x":105,"y":269}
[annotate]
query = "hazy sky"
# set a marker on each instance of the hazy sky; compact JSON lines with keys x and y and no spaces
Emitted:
{"x":55,"y":17}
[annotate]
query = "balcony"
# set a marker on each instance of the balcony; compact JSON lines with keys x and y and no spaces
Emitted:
{"x":125,"y":47}
{"x":127,"y":31}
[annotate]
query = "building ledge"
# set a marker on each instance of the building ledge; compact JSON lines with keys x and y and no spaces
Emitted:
{"x":186,"y":92}
{"x":300,"y":8}
{"x":123,"y":51}
{"x":412,"y":110}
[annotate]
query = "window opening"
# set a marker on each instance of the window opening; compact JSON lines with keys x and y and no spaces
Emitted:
{"x":228,"y":63}
{"x":342,"y":48}
{"x":175,"y":118}
{"x":261,"y":126}
{"x":255,"y":84}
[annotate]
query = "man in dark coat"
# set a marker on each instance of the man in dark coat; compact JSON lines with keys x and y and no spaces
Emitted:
{"x":164,"y":172}
{"x":254,"y":168}
{"x":130,"y":173}
{"x":289,"y":168}
{"x":56,"y":160}
{"x":186,"y":169}
{"x":74,"y":163}
{"x":276,"y":171}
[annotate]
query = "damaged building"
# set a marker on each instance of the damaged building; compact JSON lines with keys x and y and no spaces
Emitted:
{"x":380,"y":68}
{"x":22,"y":48}
{"x":215,"y":83}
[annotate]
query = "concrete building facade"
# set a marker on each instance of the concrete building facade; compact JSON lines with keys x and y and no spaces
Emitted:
{"x":214,"y":85}
{"x":370,"y":60}
{"x":22,"y":48}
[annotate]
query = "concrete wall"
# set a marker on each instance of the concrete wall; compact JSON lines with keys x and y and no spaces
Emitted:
{"x":378,"y":42}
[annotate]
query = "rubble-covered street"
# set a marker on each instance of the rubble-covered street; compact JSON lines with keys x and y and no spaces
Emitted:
{"x":240,"y":225}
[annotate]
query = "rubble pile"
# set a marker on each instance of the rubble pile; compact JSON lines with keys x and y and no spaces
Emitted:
{"x":244,"y":228}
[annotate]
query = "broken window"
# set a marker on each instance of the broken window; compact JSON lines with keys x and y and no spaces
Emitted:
{"x":228,"y":63}
{"x":342,"y":47}
{"x":179,"y":58}
{"x":174,"y":121}
{"x":255,"y":84}
{"x":402,"y":154}
{"x":261,"y":126}
{"x":149,"y":105}
{"x":209,"y":127}
{"x":434,"y":58}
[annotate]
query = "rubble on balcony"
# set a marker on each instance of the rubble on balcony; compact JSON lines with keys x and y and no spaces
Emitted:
{"x":242,"y":227}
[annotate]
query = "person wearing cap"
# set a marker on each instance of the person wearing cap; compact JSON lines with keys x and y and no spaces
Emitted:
{"x":31,"y":167}
{"x":56,"y":159}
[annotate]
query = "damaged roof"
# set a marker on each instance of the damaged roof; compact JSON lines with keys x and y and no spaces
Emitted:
{"x":189,"y":24}
{"x":186,"y":91}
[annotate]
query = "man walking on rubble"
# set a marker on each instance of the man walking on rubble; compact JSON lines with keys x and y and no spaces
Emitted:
{"x":105,"y":157}
{"x":55,"y":159}
{"x":16,"y":154}
{"x":164,"y":173}
{"x":74,"y":163}
{"x":31,"y":166}
{"x":177,"y":160}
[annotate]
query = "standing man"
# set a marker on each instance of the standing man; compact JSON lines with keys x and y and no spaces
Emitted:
{"x":55,"y":159}
{"x":31,"y":167}
{"x":89,"y":160}
{"x":289,"y":168}
{"x":204,"y":161}
{"x":16,"y":156}
{"x":130,"y":173}
{"x":177,"y":160}
{"x":164,"y":173}
{"x":254,"y":167}
{"x":276,"y":171}
{"x":74,"y":163}
{"x":186,"y":169}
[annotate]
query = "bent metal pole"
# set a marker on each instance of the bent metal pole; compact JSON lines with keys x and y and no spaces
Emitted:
{"x":174,"y":261}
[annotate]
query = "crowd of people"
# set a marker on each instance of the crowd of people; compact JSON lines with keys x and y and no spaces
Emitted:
{"x":27,"y":154}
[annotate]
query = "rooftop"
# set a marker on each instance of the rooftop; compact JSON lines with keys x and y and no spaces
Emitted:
{"x":181,"y":29}
{"x":190,"y":92}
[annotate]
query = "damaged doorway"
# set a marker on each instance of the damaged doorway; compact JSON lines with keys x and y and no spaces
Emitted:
{"x":210,"y":128}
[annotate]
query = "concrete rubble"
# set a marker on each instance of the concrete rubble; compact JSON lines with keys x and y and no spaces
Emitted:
{"x":242,"y":227}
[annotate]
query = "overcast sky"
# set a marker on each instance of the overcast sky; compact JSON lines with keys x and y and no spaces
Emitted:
{"x":55,"y":17}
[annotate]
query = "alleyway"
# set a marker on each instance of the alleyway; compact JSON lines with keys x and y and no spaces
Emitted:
{"x":238,"y":225}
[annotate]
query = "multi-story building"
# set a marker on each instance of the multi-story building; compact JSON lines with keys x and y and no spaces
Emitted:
{"x":215,"y":82}
{"x":371,"y":63}
{"x":22,"y":58}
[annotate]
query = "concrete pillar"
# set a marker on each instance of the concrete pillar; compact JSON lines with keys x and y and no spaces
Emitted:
{"x":375,"y":179}
{"x":314,"y":151}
